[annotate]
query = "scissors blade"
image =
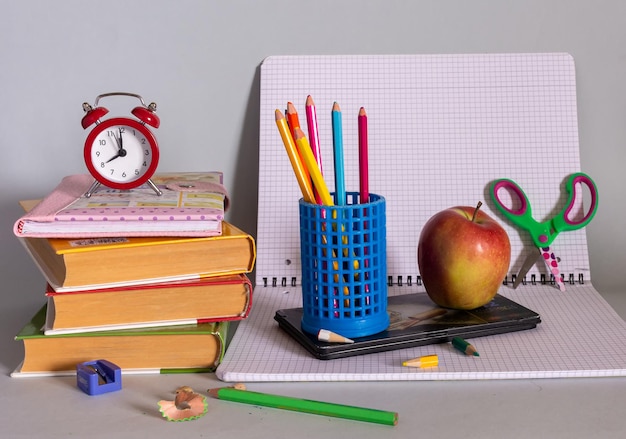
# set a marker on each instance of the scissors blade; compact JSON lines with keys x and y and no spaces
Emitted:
{"x":530,"y":260}
{"x":553,"y":266}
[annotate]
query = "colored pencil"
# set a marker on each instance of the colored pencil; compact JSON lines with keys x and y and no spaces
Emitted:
{"x":311,"y":121}
{"x":293,"y":122}
{"x":422,"y":362}
{"x":364,"y":194}
{"x":332,"y":337}
{"x":303,"y":179}
{"x":340,"y":189}
{"x":305,"y":405}
{"x":314,"y":140}
{"x":292,"y":119}
{"x":464,"y":346}
{"x":363,"y":158}
{"x":307,"y":155}
{"x":311,"y":164}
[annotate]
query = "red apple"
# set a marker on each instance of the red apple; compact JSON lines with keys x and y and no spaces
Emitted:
{"x":463,"y":256}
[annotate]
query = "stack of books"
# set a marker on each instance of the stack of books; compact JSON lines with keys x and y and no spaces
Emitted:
{"x":154,"y":298}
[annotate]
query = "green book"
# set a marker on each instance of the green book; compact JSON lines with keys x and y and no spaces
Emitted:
{"x":166,"y":349}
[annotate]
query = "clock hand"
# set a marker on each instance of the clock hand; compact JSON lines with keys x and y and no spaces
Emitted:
{"x":114,"y":157}
{"x":121,"y":152}
{"x":119,"y":145}
{"x":121,"y":142}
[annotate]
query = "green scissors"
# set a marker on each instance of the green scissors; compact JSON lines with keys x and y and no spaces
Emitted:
{"x":544,"y":233}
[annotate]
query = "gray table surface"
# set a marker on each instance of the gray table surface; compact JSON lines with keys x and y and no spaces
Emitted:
{"x":540,"y":408}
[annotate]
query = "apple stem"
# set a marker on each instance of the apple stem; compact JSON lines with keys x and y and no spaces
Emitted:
{"x":480,"y":203}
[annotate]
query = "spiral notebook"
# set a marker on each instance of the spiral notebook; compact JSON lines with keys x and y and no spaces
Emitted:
{"x":441,"y":128}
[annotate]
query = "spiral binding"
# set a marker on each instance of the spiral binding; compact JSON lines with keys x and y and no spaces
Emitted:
{"x":409,"y":280}
{"x":544,"y":280}
{"x":283,"y":282}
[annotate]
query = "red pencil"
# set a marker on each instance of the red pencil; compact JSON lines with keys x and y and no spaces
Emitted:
{"x":364,"y":194}
{"x":363,"y":159}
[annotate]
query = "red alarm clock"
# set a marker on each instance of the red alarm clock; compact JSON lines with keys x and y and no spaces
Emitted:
{"x":121,"y":152}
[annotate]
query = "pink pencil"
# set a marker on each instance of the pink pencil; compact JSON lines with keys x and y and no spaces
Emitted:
{"x":363,"y":161}
{"x":311,"y":122}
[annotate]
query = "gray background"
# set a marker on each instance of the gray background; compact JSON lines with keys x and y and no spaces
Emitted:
{"x":199,"y":60}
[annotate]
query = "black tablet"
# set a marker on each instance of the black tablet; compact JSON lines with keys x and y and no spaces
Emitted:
{"x":415,"y":321}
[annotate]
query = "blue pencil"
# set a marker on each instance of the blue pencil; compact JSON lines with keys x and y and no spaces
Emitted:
{"x":340,"y":188}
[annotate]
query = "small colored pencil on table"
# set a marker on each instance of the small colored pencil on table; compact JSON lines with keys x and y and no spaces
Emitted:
{"x":423,"y":362}
{"x":332,"y":337}
{"x":464,"y":346}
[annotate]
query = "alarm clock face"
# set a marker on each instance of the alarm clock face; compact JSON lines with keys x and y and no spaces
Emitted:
{"x":121,"y":153}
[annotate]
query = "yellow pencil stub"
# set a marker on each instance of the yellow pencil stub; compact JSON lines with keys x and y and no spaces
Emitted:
{"x":422,"y":362}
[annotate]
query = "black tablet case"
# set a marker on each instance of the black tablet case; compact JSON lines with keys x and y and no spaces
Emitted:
{"x":499,"y":316}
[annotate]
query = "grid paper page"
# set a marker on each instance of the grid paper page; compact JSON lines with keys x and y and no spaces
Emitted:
{"x":441,"y":128}
{"x":580,"y":336}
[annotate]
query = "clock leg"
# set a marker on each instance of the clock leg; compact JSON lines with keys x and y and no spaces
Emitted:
{"x":92,"y":189}
{"x":154,"y":187}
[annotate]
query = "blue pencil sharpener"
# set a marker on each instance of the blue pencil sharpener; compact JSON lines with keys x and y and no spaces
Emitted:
{"x":97,"y":377}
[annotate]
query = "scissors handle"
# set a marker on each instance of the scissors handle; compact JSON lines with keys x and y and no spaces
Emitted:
{"x":544,"y":233}
{"x":520,"y":216}
{"x":562,"y":221}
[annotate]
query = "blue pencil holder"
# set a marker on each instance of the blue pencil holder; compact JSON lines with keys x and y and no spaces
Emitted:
{"x":343,"y":251}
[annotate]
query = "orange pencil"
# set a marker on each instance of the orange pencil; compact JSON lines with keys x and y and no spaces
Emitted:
{"x":293,"y":121}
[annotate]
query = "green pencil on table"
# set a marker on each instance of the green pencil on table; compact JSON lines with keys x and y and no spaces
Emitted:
{"x":464,"y":346}
{"x":305,"y":405}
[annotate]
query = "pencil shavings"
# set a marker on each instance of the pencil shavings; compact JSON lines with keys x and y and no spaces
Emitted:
{"x":187,"y":405}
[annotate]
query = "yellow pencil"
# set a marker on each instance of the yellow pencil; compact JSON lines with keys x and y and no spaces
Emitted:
{"x":302,"y":148}
{"x":320,"y":186}
{"x":318,"y":180}
{"x":311,"y":164}
{"x":294,"y":158}
{"x":425,"y":361}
